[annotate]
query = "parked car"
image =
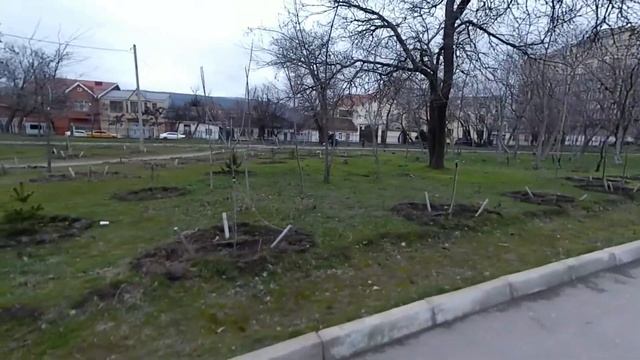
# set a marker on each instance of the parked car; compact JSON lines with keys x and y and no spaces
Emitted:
{"x":102,"y":134}
{"x":171,"y":136}
{"x":76,"y":133}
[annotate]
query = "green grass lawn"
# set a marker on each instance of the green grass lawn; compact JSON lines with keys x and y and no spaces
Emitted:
{"x":366,"y":259}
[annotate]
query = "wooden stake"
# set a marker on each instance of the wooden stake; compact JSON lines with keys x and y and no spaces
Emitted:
{"x":282,"y":234}
{"x":73,"y":174}
{"x":426,"y":197}
{"x":15,"y":160}
{"x":583,"y":197}
{"x":176,"y":162}
{"x":484,"y":203}
{"x":225,"y":223}
{"x":81,"y":154}
{"x":636,"y":188}
{"x":106,"y":170}
{"x":246,"y":177}
{"x":210,"y":179}
{"x":453,"y":192}
{"x":90,"y":171}
{"x":529,"y":192}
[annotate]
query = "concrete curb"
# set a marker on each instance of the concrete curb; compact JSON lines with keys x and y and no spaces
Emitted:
{"x":345,"y":340}
{"x":308,"y":346}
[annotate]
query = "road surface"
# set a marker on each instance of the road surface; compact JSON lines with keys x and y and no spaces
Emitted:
{"x":594,"y":318}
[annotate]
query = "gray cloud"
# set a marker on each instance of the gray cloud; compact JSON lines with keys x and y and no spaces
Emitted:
{"x":174,"y":38}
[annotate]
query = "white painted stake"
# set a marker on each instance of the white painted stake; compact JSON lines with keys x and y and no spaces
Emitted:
{"x":81,"y":154}
{"x":637,"y":187}
{"x":484,"y":203}
{"x":61,"y":153}
{"x":177,"y":162}
{"x":426,"y":197}
{"x":106,"y":170}
{"x":583,"y":197}
{"x":284,"y":232}
{"x":73,"y":174}
{"x":226,"y":225}
{"x":529,"y":191}
{"x":15,"y":160}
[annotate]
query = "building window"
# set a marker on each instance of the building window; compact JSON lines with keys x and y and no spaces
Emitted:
{"x":154,"y":106}
{"x":81,"y":105}
{"x":116,"y":107}
{"x":133,"y":106}
{"x":345,"y":113}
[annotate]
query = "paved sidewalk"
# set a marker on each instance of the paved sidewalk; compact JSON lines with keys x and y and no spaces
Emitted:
{"x":597,"y":317}
{"x":80,"y":162}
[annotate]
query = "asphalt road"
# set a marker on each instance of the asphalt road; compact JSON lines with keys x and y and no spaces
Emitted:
{"x":597,"y":317}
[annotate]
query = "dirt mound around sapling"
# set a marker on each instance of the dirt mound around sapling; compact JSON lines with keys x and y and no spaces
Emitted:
{"x":151,"y":193}
{"x":19,"y":312}
{"x":541,"y":198}
{"x":614,"y":185}
{"x":112,"y":293}
{"x":271,"y":162}
{"x":439,"y":214}
{"x":95,"y":176}
{"x":42,"y":230}
{"x":252,"y":246}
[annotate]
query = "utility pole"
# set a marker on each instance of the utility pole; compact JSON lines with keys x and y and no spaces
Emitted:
{"x":47,"y":121}
{"x":140,"y":125}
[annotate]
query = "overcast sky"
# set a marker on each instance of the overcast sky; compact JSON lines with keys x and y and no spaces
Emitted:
{"x":174,"y":38}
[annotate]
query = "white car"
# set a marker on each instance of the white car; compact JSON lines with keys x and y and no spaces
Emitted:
{"x":171,"y":136}
{"x":76,"y":133}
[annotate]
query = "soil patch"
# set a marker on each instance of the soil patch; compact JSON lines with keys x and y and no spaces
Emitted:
{"x":19,"y":312}
{"x":541,"y":198}
{"x":43,"y":230}
{"x":439,"y":214}
{"x":114,"y":292}
{"x":239,"y":173}
{"x":151,"y":193}
{"x":270,"y":162}
{"x":252,"y":247}
{"x":95,"y":176}
{"x":615,"y":185}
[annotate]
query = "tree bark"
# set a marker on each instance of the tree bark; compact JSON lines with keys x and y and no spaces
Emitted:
{"x":7,"y":125}
{"x":437,"y":131}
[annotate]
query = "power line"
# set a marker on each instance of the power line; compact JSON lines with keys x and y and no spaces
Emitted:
{"x":66,"y":43}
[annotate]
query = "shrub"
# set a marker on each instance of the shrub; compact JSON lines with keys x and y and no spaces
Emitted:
{"x":232,"y":164}
{"x":22,"y":213}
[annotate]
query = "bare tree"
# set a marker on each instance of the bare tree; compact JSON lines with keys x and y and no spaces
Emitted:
{"x":28,"y":79}
{"x":615,"y":65}
{"x":268,"y":111}
{"x":427,"y":37}
{"x":305,"y":44}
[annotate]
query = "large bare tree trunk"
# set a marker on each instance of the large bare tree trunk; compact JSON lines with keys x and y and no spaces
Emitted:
{"x":437,"y":131}
{"x":7,"y":125}
{"x":620,"y":134}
